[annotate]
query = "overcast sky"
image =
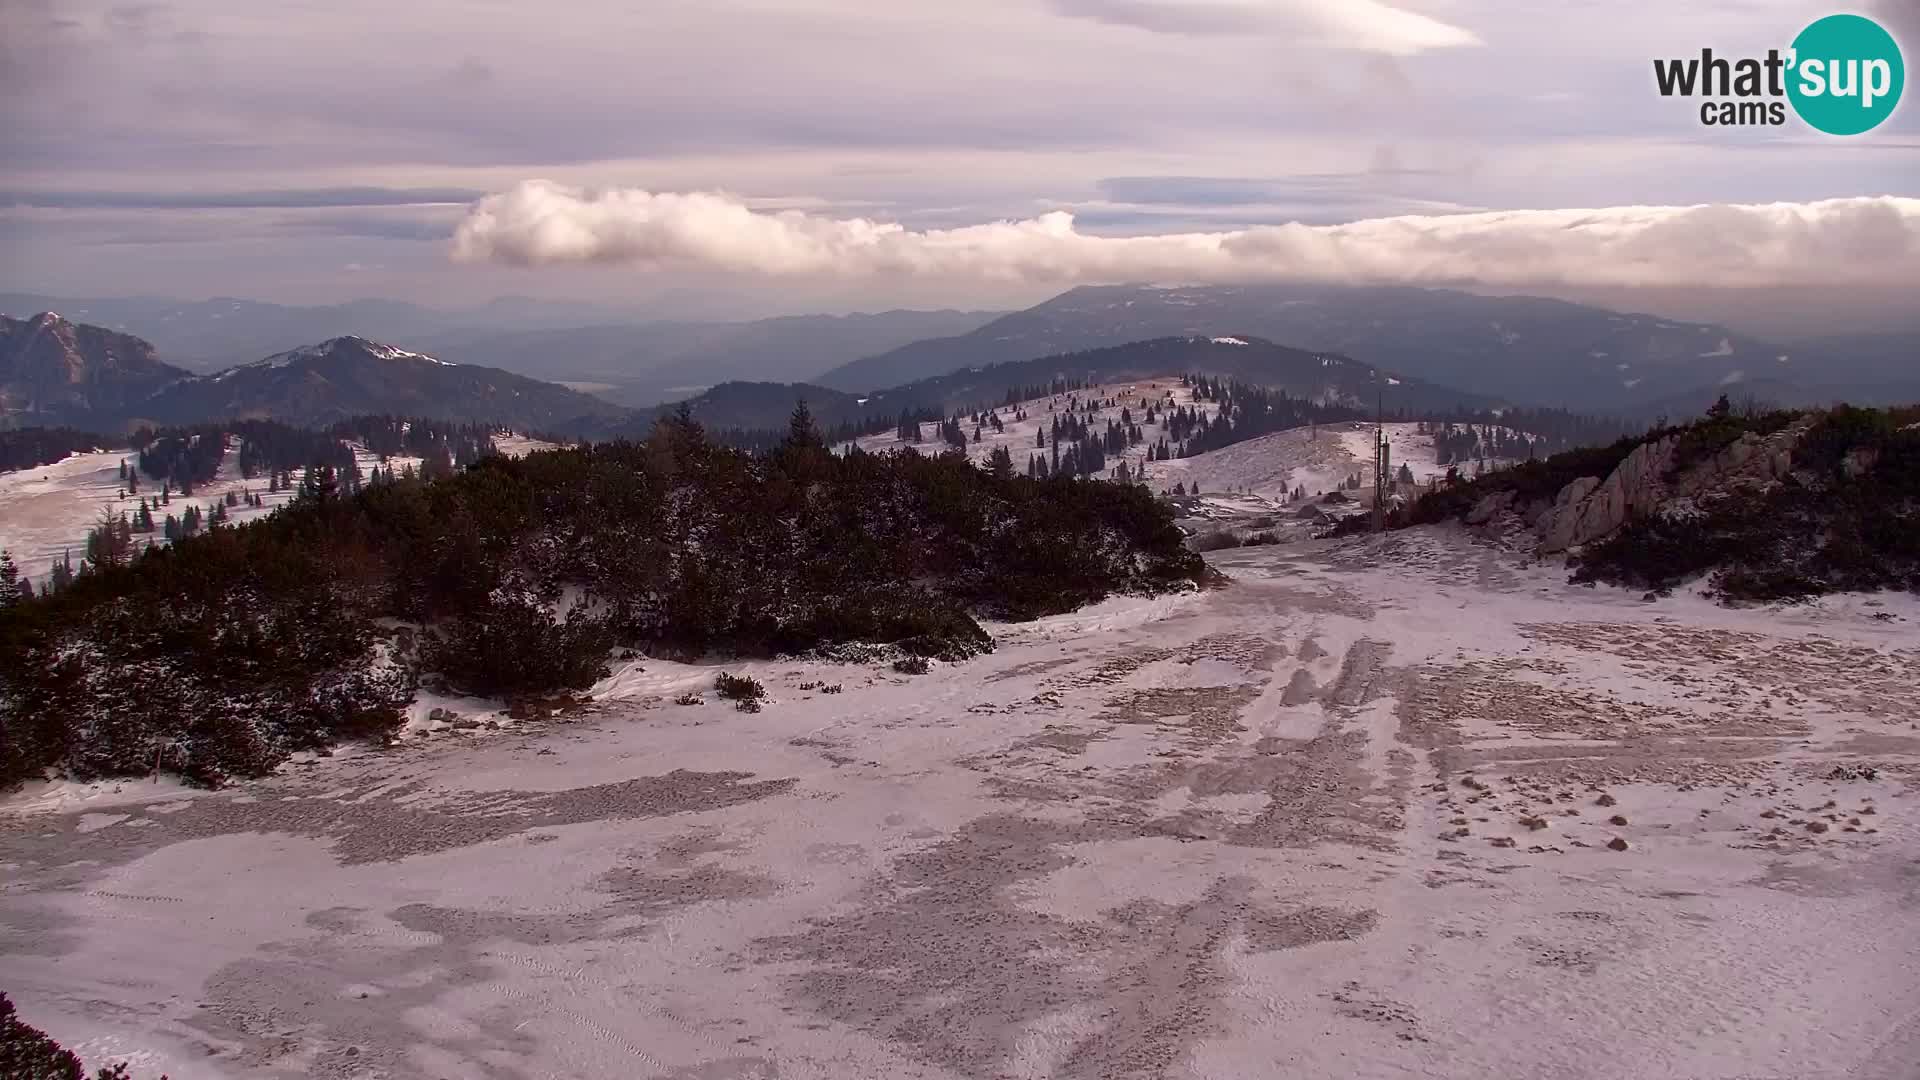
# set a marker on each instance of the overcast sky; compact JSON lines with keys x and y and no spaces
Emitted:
{"x":317,"y":152}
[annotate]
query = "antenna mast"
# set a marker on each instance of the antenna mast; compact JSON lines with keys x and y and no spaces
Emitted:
{"x":1379,"y":458}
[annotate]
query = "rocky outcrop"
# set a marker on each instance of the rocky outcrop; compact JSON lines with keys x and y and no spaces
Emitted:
{"x":1592,"y":508}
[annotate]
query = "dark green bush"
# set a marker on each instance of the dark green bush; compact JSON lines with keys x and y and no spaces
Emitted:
{"x":739,"y":688}
{"x":517,"y":647}
{"x":1219,"y":540}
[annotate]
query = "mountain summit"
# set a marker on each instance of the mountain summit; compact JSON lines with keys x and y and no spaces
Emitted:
{"x":351,"y":376}
{"x":52,"y":369}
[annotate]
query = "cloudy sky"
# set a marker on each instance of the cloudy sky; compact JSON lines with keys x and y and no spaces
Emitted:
{"x":754,"y":156}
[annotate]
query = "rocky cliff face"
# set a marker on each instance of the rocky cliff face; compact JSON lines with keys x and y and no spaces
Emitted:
{"x":1594,"y":507}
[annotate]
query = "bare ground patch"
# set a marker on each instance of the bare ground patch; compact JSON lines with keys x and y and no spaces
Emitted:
{"x":938,"y":957}
{"x":382,"y":823}
{"x":1207,"y":715}
{"x":1734,"y":668}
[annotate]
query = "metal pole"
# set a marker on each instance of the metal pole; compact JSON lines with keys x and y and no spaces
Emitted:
{"x":1379,"y":457}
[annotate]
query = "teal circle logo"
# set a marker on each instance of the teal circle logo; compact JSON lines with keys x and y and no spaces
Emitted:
{"x":1846,"y":74}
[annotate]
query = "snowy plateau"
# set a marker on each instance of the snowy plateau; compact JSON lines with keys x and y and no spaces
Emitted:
{"x":1388,"y":807}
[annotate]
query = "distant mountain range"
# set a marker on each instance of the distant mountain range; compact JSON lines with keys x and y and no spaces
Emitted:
{"x":1326,"y":378}
{"x":208,"y":335}
{"x":594,"y":347}
{"x":53,"y":371}
{"x":644,"y":364}
{"x":1447,"y":349}
{"x":1525,"y":349}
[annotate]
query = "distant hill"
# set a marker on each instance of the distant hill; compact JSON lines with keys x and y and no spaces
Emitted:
{"x":351,"y":376}
{"x":734,"y":407}
{"x":1326,"y":378}
{"x":1525,"y":349}
{"x":54,"y":371}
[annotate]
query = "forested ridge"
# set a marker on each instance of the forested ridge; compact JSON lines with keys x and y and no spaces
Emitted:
{"x":26,"y":448}
{"x":222,"y":653}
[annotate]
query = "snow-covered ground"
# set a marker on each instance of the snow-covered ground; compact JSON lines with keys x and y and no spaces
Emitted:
{"x":1352,"y":815}
{"x":47,"y":511}
{"x":514,"y":444}
{"x":1319,"y":459}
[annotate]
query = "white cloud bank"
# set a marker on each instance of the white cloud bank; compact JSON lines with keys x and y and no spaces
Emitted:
{"x":1864,"y":241}
{"x":1365,"y":25}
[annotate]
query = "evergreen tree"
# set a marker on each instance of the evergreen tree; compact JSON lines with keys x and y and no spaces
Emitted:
{"x":61,"y":574}
{"x":802,"y":434}
{"x":110,"y":541}
{"x":1000,"y":463}
{"x":321,"y":484}
{"x":9,"y":580}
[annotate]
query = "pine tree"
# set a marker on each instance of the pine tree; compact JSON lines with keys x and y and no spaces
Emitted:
{"x":62,"y":573}
{"x":801,"y":432}
{"x":110,"y":541}
{"x":322,"y":485}
{"x":1000,"y":463}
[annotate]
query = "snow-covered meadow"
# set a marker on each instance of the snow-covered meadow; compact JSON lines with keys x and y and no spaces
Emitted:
{"x":1018,"y":435}
{"x":45,"y":512}
{"x":1390,"y":808}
